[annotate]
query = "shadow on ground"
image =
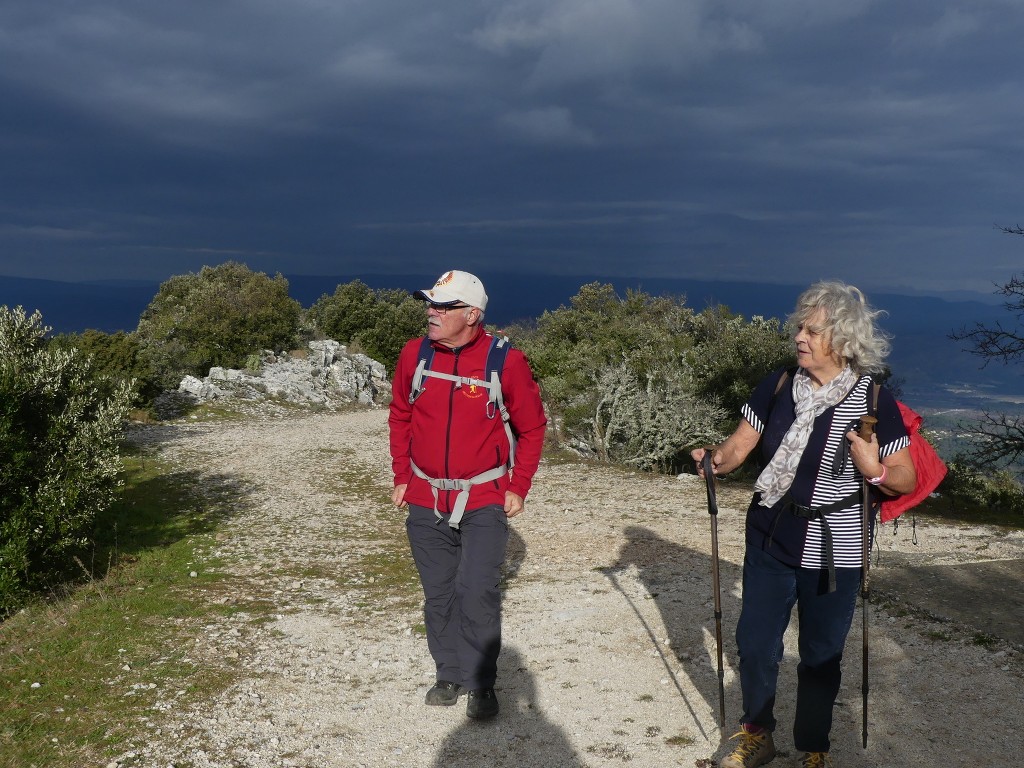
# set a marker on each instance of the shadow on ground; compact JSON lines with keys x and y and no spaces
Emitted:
{"x":987,"y":597}
{"x":520,"y":736}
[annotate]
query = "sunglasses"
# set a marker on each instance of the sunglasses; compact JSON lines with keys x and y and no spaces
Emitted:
{"x":442,"y":309}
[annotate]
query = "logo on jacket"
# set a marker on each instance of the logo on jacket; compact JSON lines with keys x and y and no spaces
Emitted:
{"x":473,"y":391}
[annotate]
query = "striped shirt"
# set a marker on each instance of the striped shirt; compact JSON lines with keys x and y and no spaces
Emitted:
{"x":822,"y":476}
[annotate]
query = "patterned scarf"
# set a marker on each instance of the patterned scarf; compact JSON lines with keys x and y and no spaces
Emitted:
{"x":778,"y":476}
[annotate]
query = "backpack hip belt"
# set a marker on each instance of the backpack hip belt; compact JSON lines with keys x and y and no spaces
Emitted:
{"x":818,"y":513}
{"x":457,"y":484}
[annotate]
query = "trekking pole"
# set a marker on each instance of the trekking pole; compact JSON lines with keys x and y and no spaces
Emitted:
{"x":867,"y":427}
{"x":709,"y":481}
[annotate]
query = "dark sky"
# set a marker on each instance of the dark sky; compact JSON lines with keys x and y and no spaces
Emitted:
{"x":778,"y":141}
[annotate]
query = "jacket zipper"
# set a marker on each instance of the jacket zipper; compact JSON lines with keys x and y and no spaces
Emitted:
{"x":448,"y":427}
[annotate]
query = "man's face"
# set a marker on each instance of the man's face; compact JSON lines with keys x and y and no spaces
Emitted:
{"x":452,"y":326}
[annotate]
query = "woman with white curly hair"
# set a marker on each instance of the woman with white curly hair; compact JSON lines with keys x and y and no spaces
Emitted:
{"x":803,"y":526}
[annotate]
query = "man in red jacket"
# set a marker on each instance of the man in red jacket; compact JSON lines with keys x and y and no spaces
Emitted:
{"x":451,"y":457}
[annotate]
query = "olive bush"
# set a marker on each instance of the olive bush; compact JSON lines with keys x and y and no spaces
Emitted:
{"x":650,"y":423}
{"x":59,"y":432}
{"x":641,"y":379}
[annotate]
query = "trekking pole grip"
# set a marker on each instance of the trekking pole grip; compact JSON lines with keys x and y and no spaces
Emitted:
{"x":867,"y":427}
{"x":709,"y":478}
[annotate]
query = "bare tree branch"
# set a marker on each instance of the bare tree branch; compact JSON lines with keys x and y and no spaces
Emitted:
{"x":999,"y":342}
{"x":997,"y":440}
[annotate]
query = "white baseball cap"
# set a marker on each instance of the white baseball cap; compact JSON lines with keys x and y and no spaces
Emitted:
{"x":453,"y":287}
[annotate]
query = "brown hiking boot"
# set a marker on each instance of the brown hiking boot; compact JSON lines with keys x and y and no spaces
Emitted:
{"x":753,"y":749}
{"x":815,"y":760}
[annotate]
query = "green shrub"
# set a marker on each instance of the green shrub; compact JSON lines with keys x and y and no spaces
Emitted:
{"x":116,"y":359}
{"x":59,"y":432}
{"x":731,"y":355}
{"x":374,"y":322}
{"x":624,"y":381}
{"x":215,"y":318}
{"x":969,"y":487}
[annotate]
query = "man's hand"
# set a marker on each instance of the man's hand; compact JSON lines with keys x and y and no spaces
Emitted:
{"x":513,"y":504}
{"x":398,"y":496}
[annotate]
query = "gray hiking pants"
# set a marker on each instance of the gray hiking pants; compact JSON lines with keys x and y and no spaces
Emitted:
{"x":459,"y":571}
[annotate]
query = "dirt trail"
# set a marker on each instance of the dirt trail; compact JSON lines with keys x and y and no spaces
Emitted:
{"x":609,"y":634}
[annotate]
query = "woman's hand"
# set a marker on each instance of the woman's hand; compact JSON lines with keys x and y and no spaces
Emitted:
{"x":900,"y":475}
{"x":698,"y":455}
{"x":730,"y":454}
{"x":865,"y":454}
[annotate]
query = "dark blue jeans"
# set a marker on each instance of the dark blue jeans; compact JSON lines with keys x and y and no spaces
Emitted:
{"x":770,"y":589}
{"x":460,"y":572}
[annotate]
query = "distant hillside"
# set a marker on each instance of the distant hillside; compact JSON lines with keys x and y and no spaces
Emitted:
{"x":935,"y":371}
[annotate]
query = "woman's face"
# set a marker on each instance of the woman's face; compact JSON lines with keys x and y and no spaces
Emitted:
{"x":814,"y":351}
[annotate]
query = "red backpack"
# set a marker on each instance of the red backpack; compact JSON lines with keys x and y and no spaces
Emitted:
{"x":929,"y":467}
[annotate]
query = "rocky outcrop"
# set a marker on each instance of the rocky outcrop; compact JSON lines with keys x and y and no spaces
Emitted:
{"x":326,"y":375}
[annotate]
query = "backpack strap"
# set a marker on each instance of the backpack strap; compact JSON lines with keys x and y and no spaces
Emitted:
{"x":495,"y":401}
{"x":819,"y":513}
{"x":787,"y":374}
{"x":493,"y":367}
{"x":426,"y":358}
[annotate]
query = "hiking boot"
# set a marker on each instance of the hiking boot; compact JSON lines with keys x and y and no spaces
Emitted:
{"x":482,"y":704}
{"x":815,"y":760}
{"x":444,"y":694}
{"x":754,"y":749}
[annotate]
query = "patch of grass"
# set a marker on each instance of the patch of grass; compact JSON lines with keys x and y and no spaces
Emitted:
{"x":680,"y":740}
{"x":645,"y":697}
{"x":82,"y":672}
{"x":382,"y":571}
{"x":387,"y":574}
{"x":610,"y":752}
{"x":985,"y":640}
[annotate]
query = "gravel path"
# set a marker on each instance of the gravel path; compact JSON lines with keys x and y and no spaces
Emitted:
{"x":609,"y":654}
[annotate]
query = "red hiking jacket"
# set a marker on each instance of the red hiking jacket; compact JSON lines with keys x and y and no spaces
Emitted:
{"x":447,"y":432}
